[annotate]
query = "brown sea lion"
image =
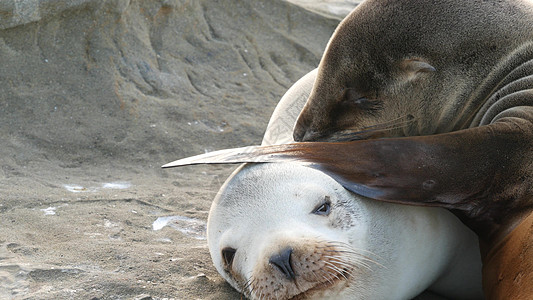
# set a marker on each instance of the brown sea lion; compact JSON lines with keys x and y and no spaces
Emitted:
{"x":450,"y":84}
{"x":405,"y":68}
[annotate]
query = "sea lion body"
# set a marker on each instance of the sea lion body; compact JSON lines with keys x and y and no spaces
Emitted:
{"x":354,"y":249}
{"x":507,"y":267}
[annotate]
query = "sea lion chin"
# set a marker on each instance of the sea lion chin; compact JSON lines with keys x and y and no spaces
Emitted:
{"x":403,"y":68}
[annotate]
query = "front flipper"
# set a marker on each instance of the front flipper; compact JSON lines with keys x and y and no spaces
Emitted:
{"x":476,"y":171}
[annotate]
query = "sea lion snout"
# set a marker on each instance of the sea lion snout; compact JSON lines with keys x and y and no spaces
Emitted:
{"x":300,"y":130}
{"x":305,"y":268}
{"x":304,"y":128}
{"x":311,"y":127}
{"x":305,"y":134}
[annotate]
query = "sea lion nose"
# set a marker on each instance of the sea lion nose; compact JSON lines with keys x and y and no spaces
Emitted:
{"x":300,"y":129}
{"x":282,"y":261}
{"x":298,"y":134}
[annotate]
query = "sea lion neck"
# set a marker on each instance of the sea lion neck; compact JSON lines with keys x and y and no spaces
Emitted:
{"x":501,"y":88}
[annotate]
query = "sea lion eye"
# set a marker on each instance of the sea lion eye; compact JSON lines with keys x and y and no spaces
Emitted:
{"x":352,"y":97}
{"x":228,"y":254}
{"x":324,"y":208}
{"x":361,"y":102}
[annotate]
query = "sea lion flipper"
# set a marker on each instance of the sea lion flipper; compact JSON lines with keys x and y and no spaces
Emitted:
{"x":445,"y":170}
{"x":437,"y":170}
{"x":250,"y":154}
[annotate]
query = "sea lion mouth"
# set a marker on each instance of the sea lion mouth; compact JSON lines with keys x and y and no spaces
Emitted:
{"x":346,"y":135}
{"x":389,"y":128}
{"x":324,"y":285}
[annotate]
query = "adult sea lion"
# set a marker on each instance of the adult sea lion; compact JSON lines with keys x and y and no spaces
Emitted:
{"x":459,"y":75}
{"x":280,"y":231}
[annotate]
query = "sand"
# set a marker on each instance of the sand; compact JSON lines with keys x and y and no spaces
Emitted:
{"x":94,"y":97}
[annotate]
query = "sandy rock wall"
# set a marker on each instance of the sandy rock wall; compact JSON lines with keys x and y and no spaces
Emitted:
{"x":84,"y":82}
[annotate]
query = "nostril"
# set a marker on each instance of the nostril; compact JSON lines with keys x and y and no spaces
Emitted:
{"x":282,"y":261}
{"x":298,"y":133}
{"x":227,"y":256}
{"x":300,"y":128}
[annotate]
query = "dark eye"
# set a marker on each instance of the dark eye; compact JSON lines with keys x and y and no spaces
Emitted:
{"x":227,"y":255}
{"x":324,"y":208}
{"x":353,"y":98}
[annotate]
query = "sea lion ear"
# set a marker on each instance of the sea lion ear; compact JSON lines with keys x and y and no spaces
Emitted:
{"x":413,"y":67}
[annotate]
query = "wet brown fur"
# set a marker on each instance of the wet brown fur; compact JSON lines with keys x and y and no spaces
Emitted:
{"x":439,"y":62}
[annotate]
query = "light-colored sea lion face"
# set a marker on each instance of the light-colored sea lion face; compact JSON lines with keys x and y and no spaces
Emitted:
{"x":403,"y":68}
{"x":283,"y":231}
{"x":293,"y":238}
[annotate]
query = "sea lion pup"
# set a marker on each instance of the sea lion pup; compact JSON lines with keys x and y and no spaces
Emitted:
{"x":277,"y":231}
{"x":461,"y":71}
{"x":285,"y":231}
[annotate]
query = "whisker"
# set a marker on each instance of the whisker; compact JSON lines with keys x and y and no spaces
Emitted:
{"x":354,"y":262}
{"x":336,"y":269}
{"x":249,"y":290}
{"x":333,"y":274}
{"x":363,"y":258}
{"x":409,"y":118}
{"x":351,"y":134}
{"x":348,"y":249}
{"x":387,"y":126}
{"x":393,"y":124}
{"x":326,"y":275}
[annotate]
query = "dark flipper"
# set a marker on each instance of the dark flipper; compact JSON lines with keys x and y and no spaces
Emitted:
{"x":445,"y":168}
{"x":476,"y":171}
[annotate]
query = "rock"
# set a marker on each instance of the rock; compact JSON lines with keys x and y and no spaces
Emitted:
{"x":141,"y":83}
{"x":16,"y":13}
{"x":329,"y":8}
{"x":143,"y":297}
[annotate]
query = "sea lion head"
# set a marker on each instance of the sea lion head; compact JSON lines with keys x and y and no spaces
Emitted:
{"x":402,"y":68}
{"x":284,"y":231}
